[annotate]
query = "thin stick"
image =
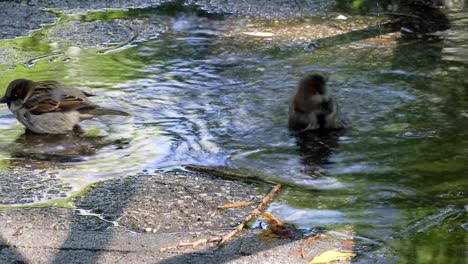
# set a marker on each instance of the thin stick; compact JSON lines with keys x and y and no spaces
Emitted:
{"x":222,"y":239}
{"x":254,"y":213}
{"x":306,"y":243}
{"x":192,"y":244}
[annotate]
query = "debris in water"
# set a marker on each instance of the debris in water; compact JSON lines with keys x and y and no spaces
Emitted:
{"x":348,"y":244}
{"x":396,"y":127}
{"x":277,"y":227}
{"x":259,"y":34}
{"x":311,"y":46}
{"x":465,"y":226}
{"x":341,"y":17}
{"x":246,"y":153}
{"x":429,"y":222}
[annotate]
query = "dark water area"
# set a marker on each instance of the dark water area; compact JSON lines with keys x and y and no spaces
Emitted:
{"x":202,"y":90}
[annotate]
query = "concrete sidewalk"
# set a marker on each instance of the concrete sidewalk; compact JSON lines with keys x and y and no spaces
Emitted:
{"x":128,"y":220}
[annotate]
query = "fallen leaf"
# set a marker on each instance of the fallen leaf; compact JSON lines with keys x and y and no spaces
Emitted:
{"x":277,"y":227}
{"x":235,"y":204}
{"x":259,"y":34}
{"x":267,"y":235}
{"x":283,"y":232}
{"x":332,"y":255}
{"x":348,"y":244}
{"x":271,"y":218}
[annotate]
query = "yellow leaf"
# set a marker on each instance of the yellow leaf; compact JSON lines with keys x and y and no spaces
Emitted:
{"x":279,"y":228}
{"x":235,"y":204}
{"x":271,"y":218}
{"x":332,"y":255}
{"x":259,"y":34}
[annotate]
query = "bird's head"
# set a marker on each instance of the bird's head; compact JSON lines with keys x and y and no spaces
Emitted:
{"x":313,"y":90}
{"x":17,"y":90}
{"x":313,"y":84}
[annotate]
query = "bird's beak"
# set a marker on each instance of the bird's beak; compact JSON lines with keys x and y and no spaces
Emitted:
{"x":3,"y":100}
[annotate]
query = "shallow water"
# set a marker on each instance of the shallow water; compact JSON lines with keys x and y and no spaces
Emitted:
{"x":202,"y":92}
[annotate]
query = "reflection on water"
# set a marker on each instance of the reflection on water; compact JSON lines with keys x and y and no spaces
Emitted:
{"x":316,"y":149}
{"x":61,"y":148}
{"x":197,"y":95}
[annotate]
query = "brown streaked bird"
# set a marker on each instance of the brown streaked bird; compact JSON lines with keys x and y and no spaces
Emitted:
{"x":49,"y":107}
{"x":312,"y":108}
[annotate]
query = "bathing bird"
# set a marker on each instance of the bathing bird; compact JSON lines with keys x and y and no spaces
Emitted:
{"x":49,"y":107}
{"x":312,"y":107}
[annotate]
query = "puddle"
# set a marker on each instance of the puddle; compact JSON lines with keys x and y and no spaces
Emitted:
{"x":200,"y":91}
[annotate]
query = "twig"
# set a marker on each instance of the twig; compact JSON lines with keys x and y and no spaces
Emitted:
{"x":192,"y":244}
{"x":254,"y":213}
{"x":306,"y":243}
{"x":235,"y":205}
{"x":222,"y":239}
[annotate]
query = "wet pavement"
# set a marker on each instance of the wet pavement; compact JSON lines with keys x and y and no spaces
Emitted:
{"x":207,"y":84}
{"x":129,"y":220}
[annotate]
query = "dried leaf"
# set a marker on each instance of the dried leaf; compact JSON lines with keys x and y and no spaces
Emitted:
{"x":235,"y":204}
{"x":348,"y":244}
{"x":267,"y":235}
{"x":259,"y":34}
{"x":332,"y":255}
{"x":277,"y":227}
{"x":271,"y":218}
{"x":283,"y":232}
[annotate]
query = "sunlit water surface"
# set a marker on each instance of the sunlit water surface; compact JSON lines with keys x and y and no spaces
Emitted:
{"x":199,"y":94}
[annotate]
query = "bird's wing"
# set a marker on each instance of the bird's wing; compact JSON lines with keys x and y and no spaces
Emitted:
{"x":327,"y":106}
{"x":51,"y":96}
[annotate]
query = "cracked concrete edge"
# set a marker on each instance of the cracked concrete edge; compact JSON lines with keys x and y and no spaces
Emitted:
{"x":59,"y":235}
{"x":57,"y":246}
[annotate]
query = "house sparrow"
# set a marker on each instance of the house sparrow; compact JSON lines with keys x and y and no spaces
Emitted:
{"x":49,"y":107}
{"x":311,"y":107}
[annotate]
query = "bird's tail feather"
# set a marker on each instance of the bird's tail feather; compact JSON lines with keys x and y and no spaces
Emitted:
{"x":99,"y":111}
